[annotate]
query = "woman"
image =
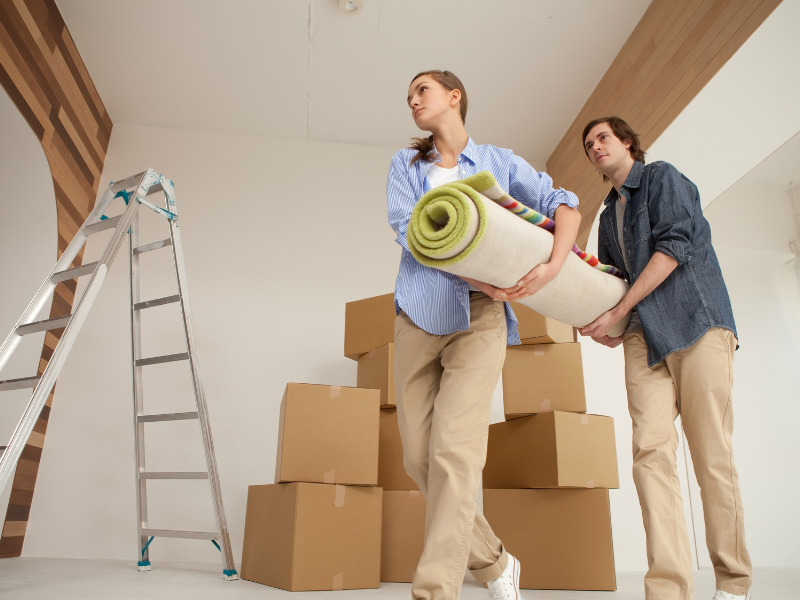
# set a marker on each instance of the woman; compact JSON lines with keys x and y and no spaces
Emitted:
{"x":450,"y":341}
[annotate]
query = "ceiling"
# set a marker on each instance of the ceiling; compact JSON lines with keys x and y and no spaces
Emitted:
{"x":302,"y":69}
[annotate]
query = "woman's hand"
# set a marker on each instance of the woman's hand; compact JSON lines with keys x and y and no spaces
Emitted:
{"x":538,"y":277}
{"x":491,"y":291}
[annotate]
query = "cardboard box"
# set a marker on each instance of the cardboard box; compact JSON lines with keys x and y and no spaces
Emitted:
{"x":376,"y":371}
{"x":403,"y":536}
{"x":391,"y":472}
{"x":543,"y":378}
{"x":368,"y":324}
{"x":555,"y":449}
{"x":562,"y":538}
{"x":538,"y":329}
{"x":309,"y":536}
{"x":328,"y":434}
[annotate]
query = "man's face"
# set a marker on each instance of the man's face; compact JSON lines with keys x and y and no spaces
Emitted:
{"x":606,"y":151}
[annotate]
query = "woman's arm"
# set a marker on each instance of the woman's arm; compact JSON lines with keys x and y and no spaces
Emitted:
{"x":536,"y":191}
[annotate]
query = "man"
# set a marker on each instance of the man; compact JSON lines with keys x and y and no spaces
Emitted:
{"x":678,"y":359}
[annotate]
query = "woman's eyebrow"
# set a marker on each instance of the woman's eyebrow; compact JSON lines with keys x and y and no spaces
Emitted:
{"x":416,"y":87}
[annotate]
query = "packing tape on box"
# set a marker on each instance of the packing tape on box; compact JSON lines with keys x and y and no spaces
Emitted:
{"x":413,"y":493}
{"x":538,"y":352}
{"x":545,"y":406}
{"x":337,"y":585}
{"x":371,"y":353}
{"x":590,"y":483}
{"x":584,"y":419}
{"x":336,"y":390}
{"x":338,"y":497}
{"x":329,"y":477}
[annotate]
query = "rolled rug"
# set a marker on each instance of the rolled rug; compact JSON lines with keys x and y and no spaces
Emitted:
{"x":463,"y":228}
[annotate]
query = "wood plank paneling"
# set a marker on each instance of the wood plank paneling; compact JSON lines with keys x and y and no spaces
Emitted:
{"x":43,"y":74}
{"x":674,"y":51}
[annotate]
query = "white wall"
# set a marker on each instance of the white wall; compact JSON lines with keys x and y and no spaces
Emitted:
{"x":28,"y":245}
{"x":760,"y":274}
{"x":278,"y":236}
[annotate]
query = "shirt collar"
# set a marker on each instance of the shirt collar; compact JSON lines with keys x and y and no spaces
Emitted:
{"x":469,"y":152}
{"x":632,"y":181}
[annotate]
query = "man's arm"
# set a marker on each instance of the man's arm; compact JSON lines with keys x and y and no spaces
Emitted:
{"x":656,"y":271}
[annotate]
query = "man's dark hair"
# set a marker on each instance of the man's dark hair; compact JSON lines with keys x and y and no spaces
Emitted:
{"x":622,"y":131}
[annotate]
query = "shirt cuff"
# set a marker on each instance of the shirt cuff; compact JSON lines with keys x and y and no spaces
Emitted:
{"x":562,"y":197}
{"x":681,"y":253}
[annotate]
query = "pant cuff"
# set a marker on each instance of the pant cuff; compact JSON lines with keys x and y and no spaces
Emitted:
{"x":491,"y":572}
{"x":736,"y":590}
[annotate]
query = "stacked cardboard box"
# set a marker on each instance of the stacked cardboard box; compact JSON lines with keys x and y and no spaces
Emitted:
{"x":542,"y":455}
{"x":318,"y":527}
{"x":369,"y":339}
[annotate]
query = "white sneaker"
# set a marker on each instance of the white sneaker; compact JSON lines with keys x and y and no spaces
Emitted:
{"x":506,"y":587}
{"x":720,"y":595}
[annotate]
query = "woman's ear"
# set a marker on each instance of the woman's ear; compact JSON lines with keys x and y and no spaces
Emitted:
{"x":455,"y":97}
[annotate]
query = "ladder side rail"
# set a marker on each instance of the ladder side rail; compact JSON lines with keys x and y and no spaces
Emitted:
{"x":46,"y":289}
{"x":22,"y":431}
{"x":138,"y":408}
{"x":202,"y":409}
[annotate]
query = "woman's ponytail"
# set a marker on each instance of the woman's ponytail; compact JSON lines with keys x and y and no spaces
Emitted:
{"x":424,"y":146}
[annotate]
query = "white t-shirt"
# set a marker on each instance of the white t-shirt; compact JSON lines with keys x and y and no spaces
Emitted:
{"x":438,"y":176}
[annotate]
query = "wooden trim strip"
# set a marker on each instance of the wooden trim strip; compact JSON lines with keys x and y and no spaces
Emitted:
{"x":45,"y":77}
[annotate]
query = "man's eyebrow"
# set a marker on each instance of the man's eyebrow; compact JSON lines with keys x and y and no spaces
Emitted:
{"x":586,"y":143}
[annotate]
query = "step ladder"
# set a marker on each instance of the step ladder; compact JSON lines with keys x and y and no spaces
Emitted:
{"x":133,"y":191}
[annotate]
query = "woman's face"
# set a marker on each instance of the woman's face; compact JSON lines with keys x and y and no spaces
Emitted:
{"x":430,"y":101}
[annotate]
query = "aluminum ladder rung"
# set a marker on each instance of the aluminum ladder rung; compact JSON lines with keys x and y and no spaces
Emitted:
{"x":185,"y":416}
{"x":190,"y":535}
{"x":143,"y":362}
{"x":101,"y":225}
{"x":153,"y":246}
{"x":157,"y":302}
{"x":45,"y":325}
{"x":68,"y":274}
{"x":19,"y":384}
{"x":173,"y":475}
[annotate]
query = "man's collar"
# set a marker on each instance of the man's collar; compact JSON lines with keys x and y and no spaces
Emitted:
{"x":634,"y":178}
{"x":632,"y":181}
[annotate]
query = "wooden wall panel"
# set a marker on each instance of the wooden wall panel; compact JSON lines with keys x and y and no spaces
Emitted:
{"x":674,"y":51}
{"x":43,"y":74}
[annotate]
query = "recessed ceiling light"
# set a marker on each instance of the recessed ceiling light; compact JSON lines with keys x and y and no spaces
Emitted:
{"x":351,"y":7}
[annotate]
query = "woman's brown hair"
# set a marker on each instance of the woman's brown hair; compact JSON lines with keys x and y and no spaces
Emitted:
{"x":622,"y":131}
{"x":424,"y":146}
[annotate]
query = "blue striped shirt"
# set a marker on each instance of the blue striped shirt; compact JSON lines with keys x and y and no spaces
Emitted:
{"x":436,"y":301}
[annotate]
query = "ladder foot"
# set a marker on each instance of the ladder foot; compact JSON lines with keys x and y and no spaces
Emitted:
{"x":144,"y":565}
{"x":229,"y":575}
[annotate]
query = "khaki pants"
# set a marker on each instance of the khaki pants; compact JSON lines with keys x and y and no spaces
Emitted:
{"x":444,"y":386}
{"x":695,"y":383}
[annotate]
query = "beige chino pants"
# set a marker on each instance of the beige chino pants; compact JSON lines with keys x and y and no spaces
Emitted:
{"x":444,"y":386}
{"x":696,"y":383}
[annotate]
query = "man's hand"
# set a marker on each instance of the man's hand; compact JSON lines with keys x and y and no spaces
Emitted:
{"x":534,"y":281}
{"x":600,"y":327}
{"x":491,"y":291}
{"x":609,"y":341}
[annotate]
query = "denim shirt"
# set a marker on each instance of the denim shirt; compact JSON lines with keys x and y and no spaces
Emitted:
{"x":663,"y":213}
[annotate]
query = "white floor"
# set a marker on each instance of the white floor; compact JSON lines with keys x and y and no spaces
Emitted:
{"x":40,"y":578}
